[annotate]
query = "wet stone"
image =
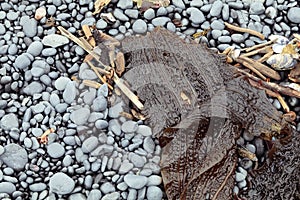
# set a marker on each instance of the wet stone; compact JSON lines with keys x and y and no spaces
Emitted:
{"x":55,"y":150}
{"x":14,"y":156}
{"x":60,"y":183}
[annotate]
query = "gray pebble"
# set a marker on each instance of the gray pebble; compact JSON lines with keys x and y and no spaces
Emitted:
{"x":101,"y":124}
{"x":162,"y":11}
{"x":101,"y":24}
{"x":55,"y":40}
{"x":33,"y":88}
{"x":55,"y":150}
{"x":99,"y":104}
{"x":137,"y":160}
{"x":118,"y":13}
{"x":95,"y":194}
{"x":256,"y":8}
{"x":29,"y":26}
{"x":129,"y":126}
{"x":37,"y":187}
{"x":171,"y":27}
{"x":125,"y":167}
{"x":216,"y":8}
{"x":2,"y":29}
{"x":80,"y":116}
{"x":179,"y":4}
{"x":12,"y":49}
{"x":139,"y":26}
{"x":111,"y":196}
{"x":9,"y":121}
{"x":246,"y":163}
{"x":61,"y":83}
{"x":132,"y":194}
{"x":239,"y":176}
{"x":51,"y":10}
{"x":115,"y":110}
{"x":103,"y":150}
{"x":154,"y":180}
{"x":217,"y":25}
{"x":154,"y":193}
{"x":293,"y":15}
{"x":107,"y":188}
{"x":125,"y":4}
{"x":2,"y":15}
{"x":35,"y":48}
{"x":7,"y":187}
{"x":242,"y":184}
{"x":251,"y":148}
{"x":49,"y":52}
{"x":132,"y":13}
{"x":77,"y":196}
{"x":54,"y":99}
{"x":1,"y":150}
{"x":196,"y":16}
{"x":69,"y":93}
{"x":144,"y":130}
{"x":238,"y":38}
{"x":224,"y":39}
{"x":60,"y":183}
{"x":37,"y":132}
{"x":135,"y":181}
{"x":14,"y":156}
{"x":39,"y":67}
{"x":149,"y":144}
{"x":3,"y":49}
{"x":149,"y":14}
{"x":61,"y":107}
{"x":160,"y":21}
{"x":88,"y":21}
{"x":22,"y":61}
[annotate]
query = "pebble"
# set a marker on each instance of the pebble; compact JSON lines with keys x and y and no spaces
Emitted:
{"x":196,"y":15}
{"x":111,"y":196}
{"x":13,"y":49}
{"x":125,"y":4}
{"x":107,"y":188}
{"x":22,"y":61}
{"x":149,"y":144}
{"x":60,"y":183}
{"x":137,"y":160}
{"x":69,"y":93}
{"x":80,"y":116}
{"x":29,"y":26}
{"x":251,"y":148}
{"x":160,"y":21}
{"x":9,"y":121}
{"x":239,"y":177}
{"x":125,"y":167}
{"x":149,"y":14}
{"x":101,"y":124}
{"x":55,"y":150}
{"x":144,"y":130}
{"x":129,"y":126}
{"x":238,"y":38}
{"x":216,"y":8}
{"x":162,"y":11}
{"x":99,"y":104}
{"x":256,"y":8}
{"x":293,"y":15}
{"x":55,"y":40}
{"x":33,"y":88}
{"x":139,"y":26}
{"x":101,"y":24}
{"x":7,"y":187}
{"x":154,"y":180}
{"x":217,"y":25}
{"x":154,"y":193}
{"x":14,"y":156}
{"x":89,"y":144}
{"x":61,"y":83}
{"x":94,"y":195}
{"x":135,"y":181}
{"x":132,"y":13}
{"x":39,"y":67}
{"x":179,"y":4}
{"x":37,"y":187}
{"x":118,"y":13}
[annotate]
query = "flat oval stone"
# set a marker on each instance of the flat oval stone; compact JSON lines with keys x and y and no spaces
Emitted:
{"x":14,"y":156}
{"x":55,"y":150}
{"x":135,"y":181}
{"x":60,"y":183}
{"x":55,"y":40}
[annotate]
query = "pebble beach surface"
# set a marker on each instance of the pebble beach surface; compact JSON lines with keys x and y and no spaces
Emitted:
{"x":94,"y":152}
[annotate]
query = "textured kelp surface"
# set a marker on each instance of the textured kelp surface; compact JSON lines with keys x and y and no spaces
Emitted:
{"x":197,"y":106}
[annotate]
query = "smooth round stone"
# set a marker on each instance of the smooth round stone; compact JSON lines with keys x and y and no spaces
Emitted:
{"x":1,"y":150}
{"x":49,"y":52}
{"x":125,"y":167}
{"x":216,"y":8}
{"x":12,"y":16}
{"x":107,"y":188}
{"x":2,"y":29}
{"x":217,"y":25}
{"x":239,"y":176}
{"x":293,"y":15}
{"x":12,"y":49}
{"x":154,"y":180}
{"x":224,"y":39}
{"x":125,"y":4}
{"x":89,"y":144}
{"x":118,"y":13}
{"x":80,"y":116}
{"x":69,"y":93}
{"x":88,"y":21}
{"x":139,"y":26}
{"x":101,"y":124}
{"x":29,"y":26}
{"x":154,"y":193}
{"x":132,"y":13}
{"x":238,"y":38}
{"x":99,"y":104}
{"x":9,"y":122}
{"x":216,"y":34}
{"x":35,"y":48}
{"x":22,"y":61}
{"x":14,"y":156}
{"x":101,"y":24}
{"x":256,"y":8}
{"x":162,"y":11}
{"x":242,"y":184}
{"x":94,"y":195}
{"x":160,"y":21}
{"x":51,"y":10}
{"x":251,"y":148}
{"x":149,"y":144}
{"x":171,"y":27}
{"x":111,"y":196}
{"x":179,"y":4}
{"x":144,"y":130}
{"x":7,"y":187}
{"x":2,"y":15}
{"x":149,"y":14}
{"x":129,"y":126}
{"x":37,"y":187}
{"x":196,"y":15}
{"x":55,"y":150}
{"x":39,"y":67}
{"x":135,"y":181}
{"x":61,"y":83}
{"x":137,"y":160}
{"x":60,"y":183}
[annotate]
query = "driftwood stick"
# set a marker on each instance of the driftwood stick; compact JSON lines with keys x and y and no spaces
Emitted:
{"x":245,"y":30}
{"x":265,"y":57}
{"x":249,"y":66}
{"x":261,"y":50}
{"x":262,"y":68}
{"x":272,"y":86}
{"x":259,"y":45}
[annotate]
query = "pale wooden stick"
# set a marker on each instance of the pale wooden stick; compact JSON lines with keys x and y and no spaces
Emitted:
{"x":261,"y":50}
{"x":260,"y":45}
{"x":265,"y":57}
{"x":97,"y":73}
{"x":245,"y":30}
{"x":127,"y":92}
{"x":249,"y":66}
{"x":262,"y":68}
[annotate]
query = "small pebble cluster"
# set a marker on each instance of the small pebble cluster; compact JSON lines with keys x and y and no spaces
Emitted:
{"x":94,"y":151}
